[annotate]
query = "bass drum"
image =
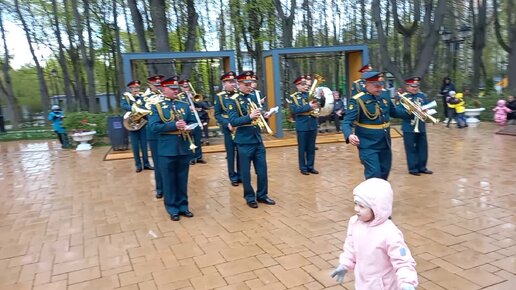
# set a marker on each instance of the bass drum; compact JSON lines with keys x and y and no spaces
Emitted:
{"x":329,"y":101}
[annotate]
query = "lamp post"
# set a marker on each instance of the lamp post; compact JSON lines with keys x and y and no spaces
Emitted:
{"x":453,"y":41}
{"x":53,"y":72}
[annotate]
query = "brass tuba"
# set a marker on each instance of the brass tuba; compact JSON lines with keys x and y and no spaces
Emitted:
{"x":134,"y":120}
{"x":311,"y":94}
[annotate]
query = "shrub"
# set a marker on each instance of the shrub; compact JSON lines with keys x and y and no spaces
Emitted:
{"x":86,"y":121}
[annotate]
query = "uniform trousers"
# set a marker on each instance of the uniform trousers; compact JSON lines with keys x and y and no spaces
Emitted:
{"x":253,"y":153}
{"x":377,"y":162}
{"x":139,"y":142}
{"x":197,"y":138}
{"x":306,"y":149}
{"x":174,"y":173}
{"x":153,"y":144}
{"x":416,"y":149}
{"x":231,"y":156}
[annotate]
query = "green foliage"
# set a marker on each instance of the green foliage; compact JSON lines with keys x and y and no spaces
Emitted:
{"x":25,"y":85}
{"x":85,"y":121}
{"x":287,"y":120}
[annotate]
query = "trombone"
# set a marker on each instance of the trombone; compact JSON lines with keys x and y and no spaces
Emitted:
{"x":196,"y":97}
{"x":261,"y":120}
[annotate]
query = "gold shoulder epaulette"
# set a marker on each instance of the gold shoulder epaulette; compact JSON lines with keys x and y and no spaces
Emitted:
{"x":357,"y":96}
{"x":221,"y":93}
{"x":294,"y":94}
{"x":234,"y":96}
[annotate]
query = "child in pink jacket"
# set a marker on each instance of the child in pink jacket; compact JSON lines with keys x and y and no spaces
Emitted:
{"x":374,"y":246}
{"x":500,"y":112}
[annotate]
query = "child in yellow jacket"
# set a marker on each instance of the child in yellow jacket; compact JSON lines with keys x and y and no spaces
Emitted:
{"x":457,"y":103}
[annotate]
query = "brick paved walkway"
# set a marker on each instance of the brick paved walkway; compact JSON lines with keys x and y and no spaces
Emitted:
{"x":69,"y":220}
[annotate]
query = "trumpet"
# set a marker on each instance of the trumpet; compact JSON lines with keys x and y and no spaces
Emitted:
{"x":311,"y":94}
{"x":186,"y":135}
{"x":260,"y":121}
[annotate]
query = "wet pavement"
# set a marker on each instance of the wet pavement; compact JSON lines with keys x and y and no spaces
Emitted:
{"x":69,"y":220}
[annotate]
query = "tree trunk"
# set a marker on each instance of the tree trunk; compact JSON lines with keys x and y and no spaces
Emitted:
{"x":424,"y":55}
{"x":479,"y":40}
{"x":287,"y":34}
{"x":509,"y":47}
{"x":117,"y":57}
{"x":75,"y":60}
{"x":138,"y":25}
{"x":43,"y":90}
{"x":6,"y":86}
{"x":87,"y":56}
{"x":191,"y":36}
{"x":71,"y":103}
{"x":159,"y":23}
{"x":222,"y":27}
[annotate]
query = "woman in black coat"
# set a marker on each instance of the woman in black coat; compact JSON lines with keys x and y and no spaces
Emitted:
{"x":446,"y":88}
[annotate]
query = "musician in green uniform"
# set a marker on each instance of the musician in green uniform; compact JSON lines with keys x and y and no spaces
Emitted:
{"x":414,"y":130}
{"x":306,"y":124}
{"x":366,"y":125}
{"x":221,"y":115}
{"x":170,"y":119}
{"x":244,"y":116}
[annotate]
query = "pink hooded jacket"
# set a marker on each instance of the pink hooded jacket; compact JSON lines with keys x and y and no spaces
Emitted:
{"x":501,"y":111}
{"x":376,"y":250}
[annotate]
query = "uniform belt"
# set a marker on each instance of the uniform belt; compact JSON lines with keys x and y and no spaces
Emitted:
{"x":225,"y":115}
{"x":374,"y":126}
{"x":172,"y":133}
{"x":304,"y":114}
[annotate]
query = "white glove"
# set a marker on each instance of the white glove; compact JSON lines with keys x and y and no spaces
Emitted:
{"x":407,"y":286}
{"x":339,"y":272}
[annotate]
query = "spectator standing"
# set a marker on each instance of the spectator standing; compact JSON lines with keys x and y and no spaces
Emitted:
{"x":446,"y":87}
{"x":511,"y":104}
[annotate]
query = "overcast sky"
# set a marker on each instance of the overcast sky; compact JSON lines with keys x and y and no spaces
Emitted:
{"x":19,"y":48}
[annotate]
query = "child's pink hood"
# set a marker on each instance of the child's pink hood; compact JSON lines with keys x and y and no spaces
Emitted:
{"x":376,"y":194}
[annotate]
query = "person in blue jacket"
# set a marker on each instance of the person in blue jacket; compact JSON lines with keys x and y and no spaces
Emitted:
{"x":306,"y":124}
{"x":249,"y":141}
{"x":138,"y":137}
{"x":366,"y":125}
{"x":414,"y":130}
{"x":56,"y":117}
{"x":169,"y":119}
{"x":220,"y":108}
